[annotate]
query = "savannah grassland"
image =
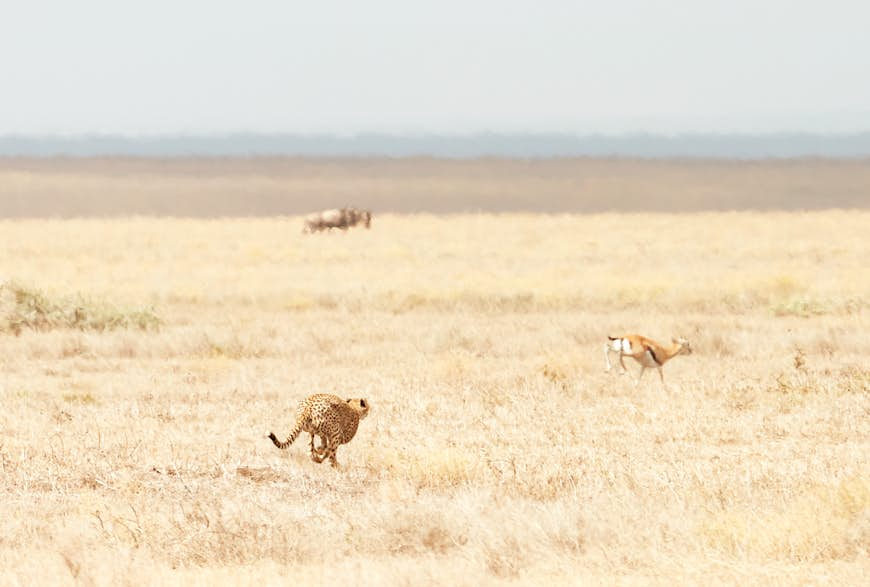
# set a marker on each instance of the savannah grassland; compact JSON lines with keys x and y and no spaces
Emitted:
{"x":497,"y":449}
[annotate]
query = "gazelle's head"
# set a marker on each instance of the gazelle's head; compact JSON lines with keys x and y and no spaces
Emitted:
{"x":685,"y":347}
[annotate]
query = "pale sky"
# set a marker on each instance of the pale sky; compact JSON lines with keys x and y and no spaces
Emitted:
{"x":399,"y":66}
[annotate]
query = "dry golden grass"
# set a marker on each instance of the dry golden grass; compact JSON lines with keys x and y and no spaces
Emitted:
{"x":497,"y":450}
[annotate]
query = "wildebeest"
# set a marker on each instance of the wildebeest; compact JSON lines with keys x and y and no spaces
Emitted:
{"x":326,"y":220}
{"x":336,"y":218}
{"x":355,"y":216}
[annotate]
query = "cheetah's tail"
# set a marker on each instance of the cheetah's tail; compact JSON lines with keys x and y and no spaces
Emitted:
{"x":282,"y":445}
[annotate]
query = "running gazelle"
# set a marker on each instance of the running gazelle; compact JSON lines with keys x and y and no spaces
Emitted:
{"x":647,"y":352}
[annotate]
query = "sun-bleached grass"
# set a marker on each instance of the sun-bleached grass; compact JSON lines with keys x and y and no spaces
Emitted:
{"x":496,"y":450}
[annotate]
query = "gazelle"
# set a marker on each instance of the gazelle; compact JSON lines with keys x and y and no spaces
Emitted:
{"x":647,"y":352}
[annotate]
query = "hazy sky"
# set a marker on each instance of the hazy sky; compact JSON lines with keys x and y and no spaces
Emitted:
{"x":611,"y":66}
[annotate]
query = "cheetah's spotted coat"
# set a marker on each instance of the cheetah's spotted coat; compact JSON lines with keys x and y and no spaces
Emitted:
{"x":331,"y":418}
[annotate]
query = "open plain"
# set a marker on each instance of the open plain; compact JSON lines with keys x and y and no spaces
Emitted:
{"x":144,"y":360}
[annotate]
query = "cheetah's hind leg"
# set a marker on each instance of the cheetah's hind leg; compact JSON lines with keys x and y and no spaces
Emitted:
{"x":317,"y":457}
{"x":320,"y":449}
{"x":317,"y":454}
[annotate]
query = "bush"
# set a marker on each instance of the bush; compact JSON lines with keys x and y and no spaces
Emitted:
{"x":23,"y":307}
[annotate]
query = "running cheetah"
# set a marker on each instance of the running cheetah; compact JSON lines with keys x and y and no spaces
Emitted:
{"x":331,"y":418}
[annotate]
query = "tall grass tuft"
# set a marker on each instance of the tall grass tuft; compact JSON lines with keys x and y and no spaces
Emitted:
{"x":28,"y":308}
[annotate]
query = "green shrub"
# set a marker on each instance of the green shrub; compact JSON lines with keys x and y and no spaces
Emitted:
{"x":802,"y":307}
{"x":23,"y":308}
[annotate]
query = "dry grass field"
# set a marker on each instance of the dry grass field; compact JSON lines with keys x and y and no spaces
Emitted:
{"x":497,"y":450}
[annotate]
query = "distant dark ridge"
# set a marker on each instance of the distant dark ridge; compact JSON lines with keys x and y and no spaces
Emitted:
{"x":522,"y":146}
{"x":217,"y":187}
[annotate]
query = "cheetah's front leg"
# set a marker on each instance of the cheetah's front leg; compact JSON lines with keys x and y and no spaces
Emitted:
{"x":332,"y":448}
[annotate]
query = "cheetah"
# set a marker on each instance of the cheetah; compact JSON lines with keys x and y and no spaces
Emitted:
{"x":331,"y":418}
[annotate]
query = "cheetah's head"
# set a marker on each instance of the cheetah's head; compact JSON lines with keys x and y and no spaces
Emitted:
{"x":360,"y":406}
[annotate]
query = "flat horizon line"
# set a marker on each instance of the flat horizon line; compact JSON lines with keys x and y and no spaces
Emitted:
{"x":423,"y":133}
{"x":789,"y":144}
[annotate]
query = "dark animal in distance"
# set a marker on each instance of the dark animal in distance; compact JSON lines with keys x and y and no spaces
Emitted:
{"x":326,"y":220}
{"x":357,"y":216}
{"x":342,"y":218}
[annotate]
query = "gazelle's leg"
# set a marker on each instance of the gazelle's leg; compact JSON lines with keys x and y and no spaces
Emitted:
{"x":662,"y":377}
{"x":621,"y":362}
{"x":642,"y":369}
{"x":607,"y":358}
